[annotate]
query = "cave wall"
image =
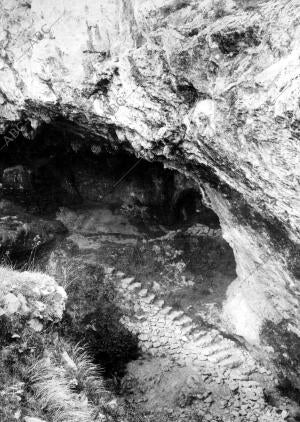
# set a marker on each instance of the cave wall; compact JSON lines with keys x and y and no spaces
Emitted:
{"x":262,"y":304}
{"x":195,"y":84}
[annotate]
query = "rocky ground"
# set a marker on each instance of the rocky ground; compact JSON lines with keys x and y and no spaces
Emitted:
{"x":188,"y":368}
{"x":150,"y":163}
{"x":146,"y":270}
{"x":209,"y":88}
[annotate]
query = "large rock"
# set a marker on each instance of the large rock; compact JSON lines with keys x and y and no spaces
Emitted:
{"x":29,"y":297}
{"x":210,"y":88}
{"x":21,"y":232}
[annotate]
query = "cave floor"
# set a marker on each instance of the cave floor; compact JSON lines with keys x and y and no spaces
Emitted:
{"x":168,"y":286}
{"x":146,"y":271}
{"x":186,"y":267}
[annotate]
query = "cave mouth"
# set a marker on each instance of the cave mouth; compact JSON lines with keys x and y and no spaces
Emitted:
{"x":145,"y":221}
{"x":58,"y":168}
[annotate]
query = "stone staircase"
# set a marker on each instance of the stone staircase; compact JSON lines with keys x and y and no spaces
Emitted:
{"x":163,"y":331}
{"x":202,"y":230}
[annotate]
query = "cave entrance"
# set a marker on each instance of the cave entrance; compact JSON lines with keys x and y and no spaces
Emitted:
{"x":118,"y":212}
{"x":59,"y":169}
{"x":188,"y":208}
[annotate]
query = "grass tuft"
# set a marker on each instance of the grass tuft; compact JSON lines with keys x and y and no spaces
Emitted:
{"x":88,"y":375}
{"x":68,"y":387}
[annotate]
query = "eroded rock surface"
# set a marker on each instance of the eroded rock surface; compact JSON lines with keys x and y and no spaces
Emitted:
{"x":210,"y":88}
{"x":30,"y":297}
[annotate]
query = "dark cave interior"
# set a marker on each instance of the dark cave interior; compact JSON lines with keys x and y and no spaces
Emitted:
{"x":56,"y":168}
{"x":121,"y":205}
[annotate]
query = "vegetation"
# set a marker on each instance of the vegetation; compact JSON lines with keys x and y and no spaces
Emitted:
{"x":44,"y":376}
{"x":67,"y":387}
{"x":219,"y":8}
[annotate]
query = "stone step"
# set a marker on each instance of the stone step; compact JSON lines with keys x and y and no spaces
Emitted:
{"x":159,"y":303}
{"x":164,"y":330}
{"x":213,"y":348}
{"x":141,"y":318}
{"x":143,"y":337}
{"x":143,"y":292}
{"x":149,"y":299}
{"x":125,"y":282}
{"x":175,"y":314}
{"x":191,"y":333}
{"x":231,"y":362}
{"x":204,"y":341}
{"x":224,"y":345}
{"x":134,"y":286}
{"x":107,"y":270}
{"x":183,"y":319}
{"x":221,"y":355}
{"x":198,"y":334}
{"x":166,"y":310}
{"x":186,"y":329}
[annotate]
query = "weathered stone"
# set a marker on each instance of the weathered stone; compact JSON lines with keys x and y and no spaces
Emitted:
{"x":198,"y":116}
{"x":32,"y":419}
{"x":133,"y":286}
{"x":143,"y":292}
{"x":127,"y":282}
{"x":166,"y":310}
{"x":25,"y":295}
{"x":149,"y":299}
{"x":159,"y":303}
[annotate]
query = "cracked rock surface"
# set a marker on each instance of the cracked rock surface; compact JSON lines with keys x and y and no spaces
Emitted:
{"x":208,"y":88}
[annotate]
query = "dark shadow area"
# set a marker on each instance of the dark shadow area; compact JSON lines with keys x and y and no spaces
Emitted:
{"x":281,"y":339}
{"x":61,"y":168}
{"x":118,"y":210}
{"x":189,"y":208}
{"x":110,"y":344}
{"x":210,"y":263}
{"x":92,"y":316}
{"x":287,"y":389}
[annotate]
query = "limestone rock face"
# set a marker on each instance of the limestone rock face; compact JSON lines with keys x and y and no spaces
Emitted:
{"x":208,"y":87}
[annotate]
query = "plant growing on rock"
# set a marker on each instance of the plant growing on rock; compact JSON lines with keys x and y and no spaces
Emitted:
{"x":54,"y":394}
{"x":67,"y":385}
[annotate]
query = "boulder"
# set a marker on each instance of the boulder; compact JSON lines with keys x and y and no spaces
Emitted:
{"x":21,"y":232}
{"x":29,"y":298}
